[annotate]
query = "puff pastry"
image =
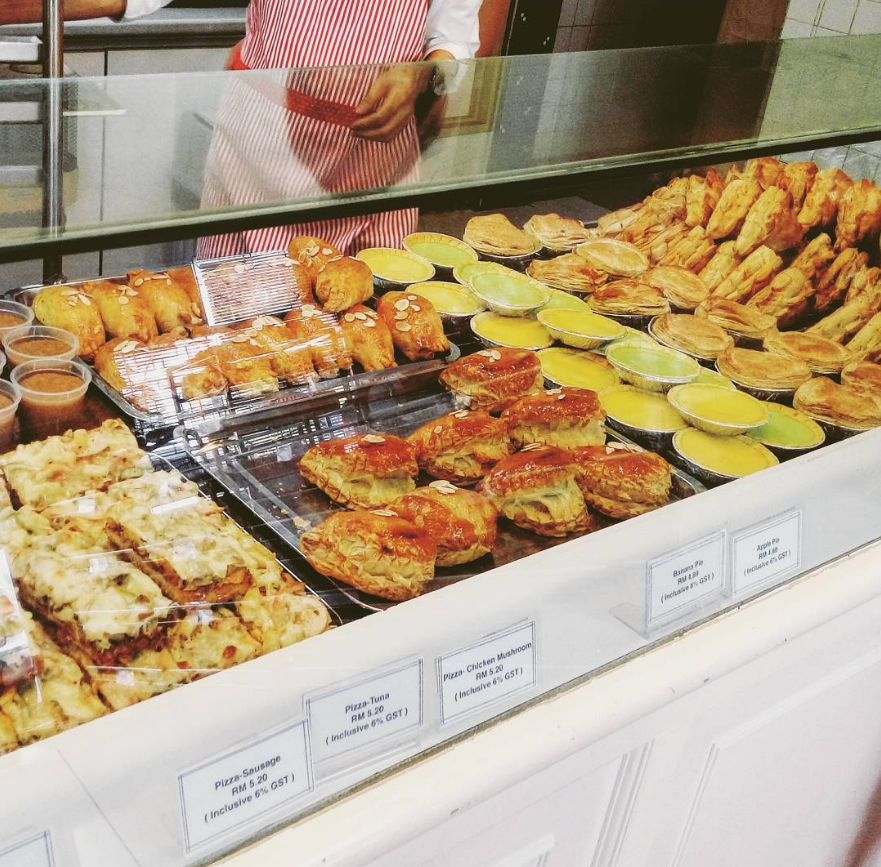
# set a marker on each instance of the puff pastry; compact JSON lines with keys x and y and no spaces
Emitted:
{"x":368,"y":338}
{"x":461,"y":447}
{"x":496,"y":234}
{"x":701,"y":197}
{"x":867,"y":341}
{"x":623,"y":481}
{"x":556,"y":232}
{"x":342,"y":283}
{"x":492,"y":379}
{"x":364,"y":470}
{"x":682,"y":288}
{"x":123,"y":311}
{"x":786,"y":297}
{"x":629,"y":297}
{"x":798,"y":179}
{"x":859,"y":214}
{"x":108,"y":361}
{"x":734,"y":204}
{"x":754,"y":273}
{"x":863,"y":376}
{"x":69,"y":308}
{"x":128,"y":366}
{"x":736,"y":318}
{"x":822,"y":200}
{"x":768,"y":171}
{"x":415,"y":325}
{"x":289,"y":357}
{"x":846,"y":321}
{"x":771,"y":222}
{"x":691,"y":334}
{"x":756,"y":369}
{"x":657,"y":246}
{"x":615,"y":222}
{"x":375,"y":552}
{"x":321,"y":331}
{"x":169,"y":302}
{"x":463,"y":523}
{"x":570,"y":272}
{"x":865,"y":283}
{"x":202,"y":377}
{"x":819,"y":353}
{"x":538,"y":490}
{"x":186,"y":280}
{"x":815,"y":257}
{"x":654,"y":216}
{"x":562,"y":417}
{"x":724,"y":261}
{"x":246,"y":365}
{"x":832,"y":285}
{"x":308,"y":254}
{"x":825,"y":400}
{"x":692,"y":251}
{"x":616,"y":258}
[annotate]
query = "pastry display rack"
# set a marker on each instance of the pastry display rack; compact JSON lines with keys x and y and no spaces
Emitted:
{"x":195,"y":772}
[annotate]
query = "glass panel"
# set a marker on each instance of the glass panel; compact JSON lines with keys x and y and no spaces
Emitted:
{"x":205,"y":153}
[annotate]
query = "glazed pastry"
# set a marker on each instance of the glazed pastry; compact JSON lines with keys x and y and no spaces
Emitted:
{"x":755,"y":369}
{"x":538,"y":490}
{"x":867,"y":341}
{"x":623,"y":481}
{"x":692,"y":252}
{"x":859,"y":214}
{"x":825,"y":400}
{"x":461,"y":447}
{"x":493,"y":379}
{"x":865,"y":284}
{"x":562,"y":417}
{"x":816,"y":256}
{"x":289,"y":357}
{"x":368,"y":338}
{"x":128,"y":366}
{"x":309,"y":254}
{"x":110,"y":358}
{"x":202,"y":377}
{"x":770,"y":222}
{"x":846,"y":321}
{"x":754,"y":273}
{"x":768,"y":171}
{"x":833,"y":283}
{"x":702,"y":196}
{"x":246,"y":365}
{"x":186,"y":280}
{"x":415,"y":325}
{"x":556,"y":232}
{"x":123,"y":311}
{"x":691,"y":334}
{"x":365,"y":470}
{"x":863,"y":376}
{"x":798,"y":179}
{"x":821,"y":203}
{"x":724,"y":261}
{"x":321,"y":331}
{"x":629,"y":297}
{"x":736,"y":318}
{"x":462,"y":523}
{"x":496,"y":234}
{"x":342,"y":283}
{"x":819,"y":353}
{"x":569,"y":272}
{"x":72,"y":310}
{"x":375,"y":552}
{"x":734,"y":204}
{"x":616,"y":258}
{"x":786,"y":297}
{"x":170,"y":303}
{"x":682,"y":288}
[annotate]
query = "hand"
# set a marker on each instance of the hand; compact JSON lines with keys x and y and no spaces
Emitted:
{"x":388,"y":105}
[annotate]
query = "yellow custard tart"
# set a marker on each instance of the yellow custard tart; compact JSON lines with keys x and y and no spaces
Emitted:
{"x":576,"y":368}
{"x":581,"y":330}
{"x":560,"y":300}
{"x":443,"y":251}
{"x":714,"y":459}
{"x":516,"y":332}
{"x":396,"y":267}
{"x":718,"y":410}
{"x":644,"y":410}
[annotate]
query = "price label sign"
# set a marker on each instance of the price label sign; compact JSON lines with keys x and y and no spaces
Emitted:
{"x":34,"y":852}
{"x":683,"y":580}
{"x":238,"y":787}
{"x":767,"y":551}
{"x":372,"y":711}
{"x":487,"y":671}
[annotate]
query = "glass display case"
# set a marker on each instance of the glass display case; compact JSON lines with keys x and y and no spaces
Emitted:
{"x":385,"y":498}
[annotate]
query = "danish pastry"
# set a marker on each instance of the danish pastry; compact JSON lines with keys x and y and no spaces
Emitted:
{"x":702,"y":196}
{"x":342,"y":283}
{"x":682,"y":288}
{"x":754,"y":273}
{"x":309,"y":254}
{"x":492,"y":379}
{"x":125,"y":364}
{"x":562,"y":417}
{"x":415,"y":325}
{"x":169,"y":302}
{"x":825,"y":400}
{"x":123,"y":311}
{"x":322,"y":333}
{"x":246,"y":365}
{"x":496,"y":234}
{"x":368,"y":338}
{"x":734,"y":204}
{"x":186,"y":279}
{"x":69,"y":308}
{"x":202,"y":377}
{"x":822,"y":200}
{"x":859,"y":214}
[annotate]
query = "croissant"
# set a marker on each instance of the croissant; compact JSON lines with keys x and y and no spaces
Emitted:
{"x":702,"y":196}
{"x":859,"y":214}
{"x":821,"y":203}
{"x":771,"y":221}
{"x":724,"y":261}
{"x":833,"y":283}
{"x":798,"y":178}
{"x":815,"y":256}
{"x":786,"y":297}
{"x":752,"y":274}
{"x":734,"y":204}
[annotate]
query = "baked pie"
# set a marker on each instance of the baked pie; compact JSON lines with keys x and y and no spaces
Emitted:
{"x":415,"y":325}
{"x":819,"y":353}
{"x":562,"y":417}
{"x":375,"y":552}
{"x":859,"y":214}
{"x":816,"y":256}
{"x":724,"y":261}
{"x":842,"y":405}
{"x":124,"y":312}
{"x":462,"y":523}
{"x":497,"y":235}
{"x":762,"y":370}
{"x":537,"y":489}
{"x":322,"y":333}
{"x":738,"y":319}
{"x":569,"y":272}
{"x":342,"y":283}
{"x":288,"y":356}
{"x":863,"y":376}
{"x":734,"y":204}
{"x":364,"y":470}
{"x":461,"y":447}
{"x":832,"y":285}
{"x":69,"y":308}
{"x":615,"y":258}
{"x":492,"y":379}
{"x":556,"y":232}
{"x":771,"y":222}
{"x":682,"y":288}
{"x":821,"y":203}
{"x":368,"y":338}
{"x":629,"y":297}
{"x":623,"y":481}
{"x":753,"y":273}
{"x":786,"y":297}
{"x":692,"y":334}
{"x":702,"y":196}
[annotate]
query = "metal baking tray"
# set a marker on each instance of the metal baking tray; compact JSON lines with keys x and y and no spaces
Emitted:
{"x":256,"y":461}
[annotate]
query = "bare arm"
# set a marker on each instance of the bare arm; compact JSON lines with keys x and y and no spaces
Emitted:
{"x":29,"y":11}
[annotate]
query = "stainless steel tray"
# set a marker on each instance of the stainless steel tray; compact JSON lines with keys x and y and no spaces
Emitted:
{"x":256,"y":461}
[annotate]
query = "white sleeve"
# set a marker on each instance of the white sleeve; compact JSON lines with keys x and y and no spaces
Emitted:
{"x":452,"y":26}
{"x":139,"y":8}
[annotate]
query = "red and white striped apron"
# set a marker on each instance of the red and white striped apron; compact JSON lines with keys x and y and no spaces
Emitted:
{"x":284,"y":135}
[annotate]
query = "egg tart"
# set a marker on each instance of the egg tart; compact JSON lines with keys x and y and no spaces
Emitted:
{"x":629,"y":297}
{"x":838,"y":405}
{"x":569,"y":271}
{"x":696,"y":336}
{"x":738,"y":319}
{"x":754,"y":369}
{"x":682,"y":288}
{"x":617,"y":258}
{"x":556,"y":232}
{"x":819,"y":353}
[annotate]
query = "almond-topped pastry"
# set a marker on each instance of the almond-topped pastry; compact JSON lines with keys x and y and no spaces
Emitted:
{"x":496,"y":234}
{"x":569,"y":271}
{"x":461,"y":447}
{"x":819,"y":353}
{"x":342,"y":283}
{"x":562,"y":417}
{"x":682,"y":288}
{"x":623,"y":481}
{"x":692,"y":334}
{"x":289,"y":355}
{"x":843,"y":405}
{"x":366,"y":470}
{"x":756,"y":369}
{"x":492,"y":379}
{"x":415,"y":326}
{"x":69,"y":308}
{"x":629,"y":297}
{"x":537,"y":489}
{"x":309,"y":254}
{"x":736,"y":318}
{"x":616,"y":258}
{"x":463,"y":523}
{"x":822,"y":200}
{"x":556,"y":232}
{"x":859,"y":214}
{"x":123,"y":310}
{"x":863,"y":376}
{"x":376,"y":552}
{"x":368,"y":338}
{"x":321,"y":332}
{"x":169,"y":301}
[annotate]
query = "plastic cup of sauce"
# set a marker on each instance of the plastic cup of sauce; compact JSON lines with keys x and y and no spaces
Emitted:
{"x":14,"y":315}
{"x":53,"y":392}
{"x":10,"y":397}
{"x":36,"y":342}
